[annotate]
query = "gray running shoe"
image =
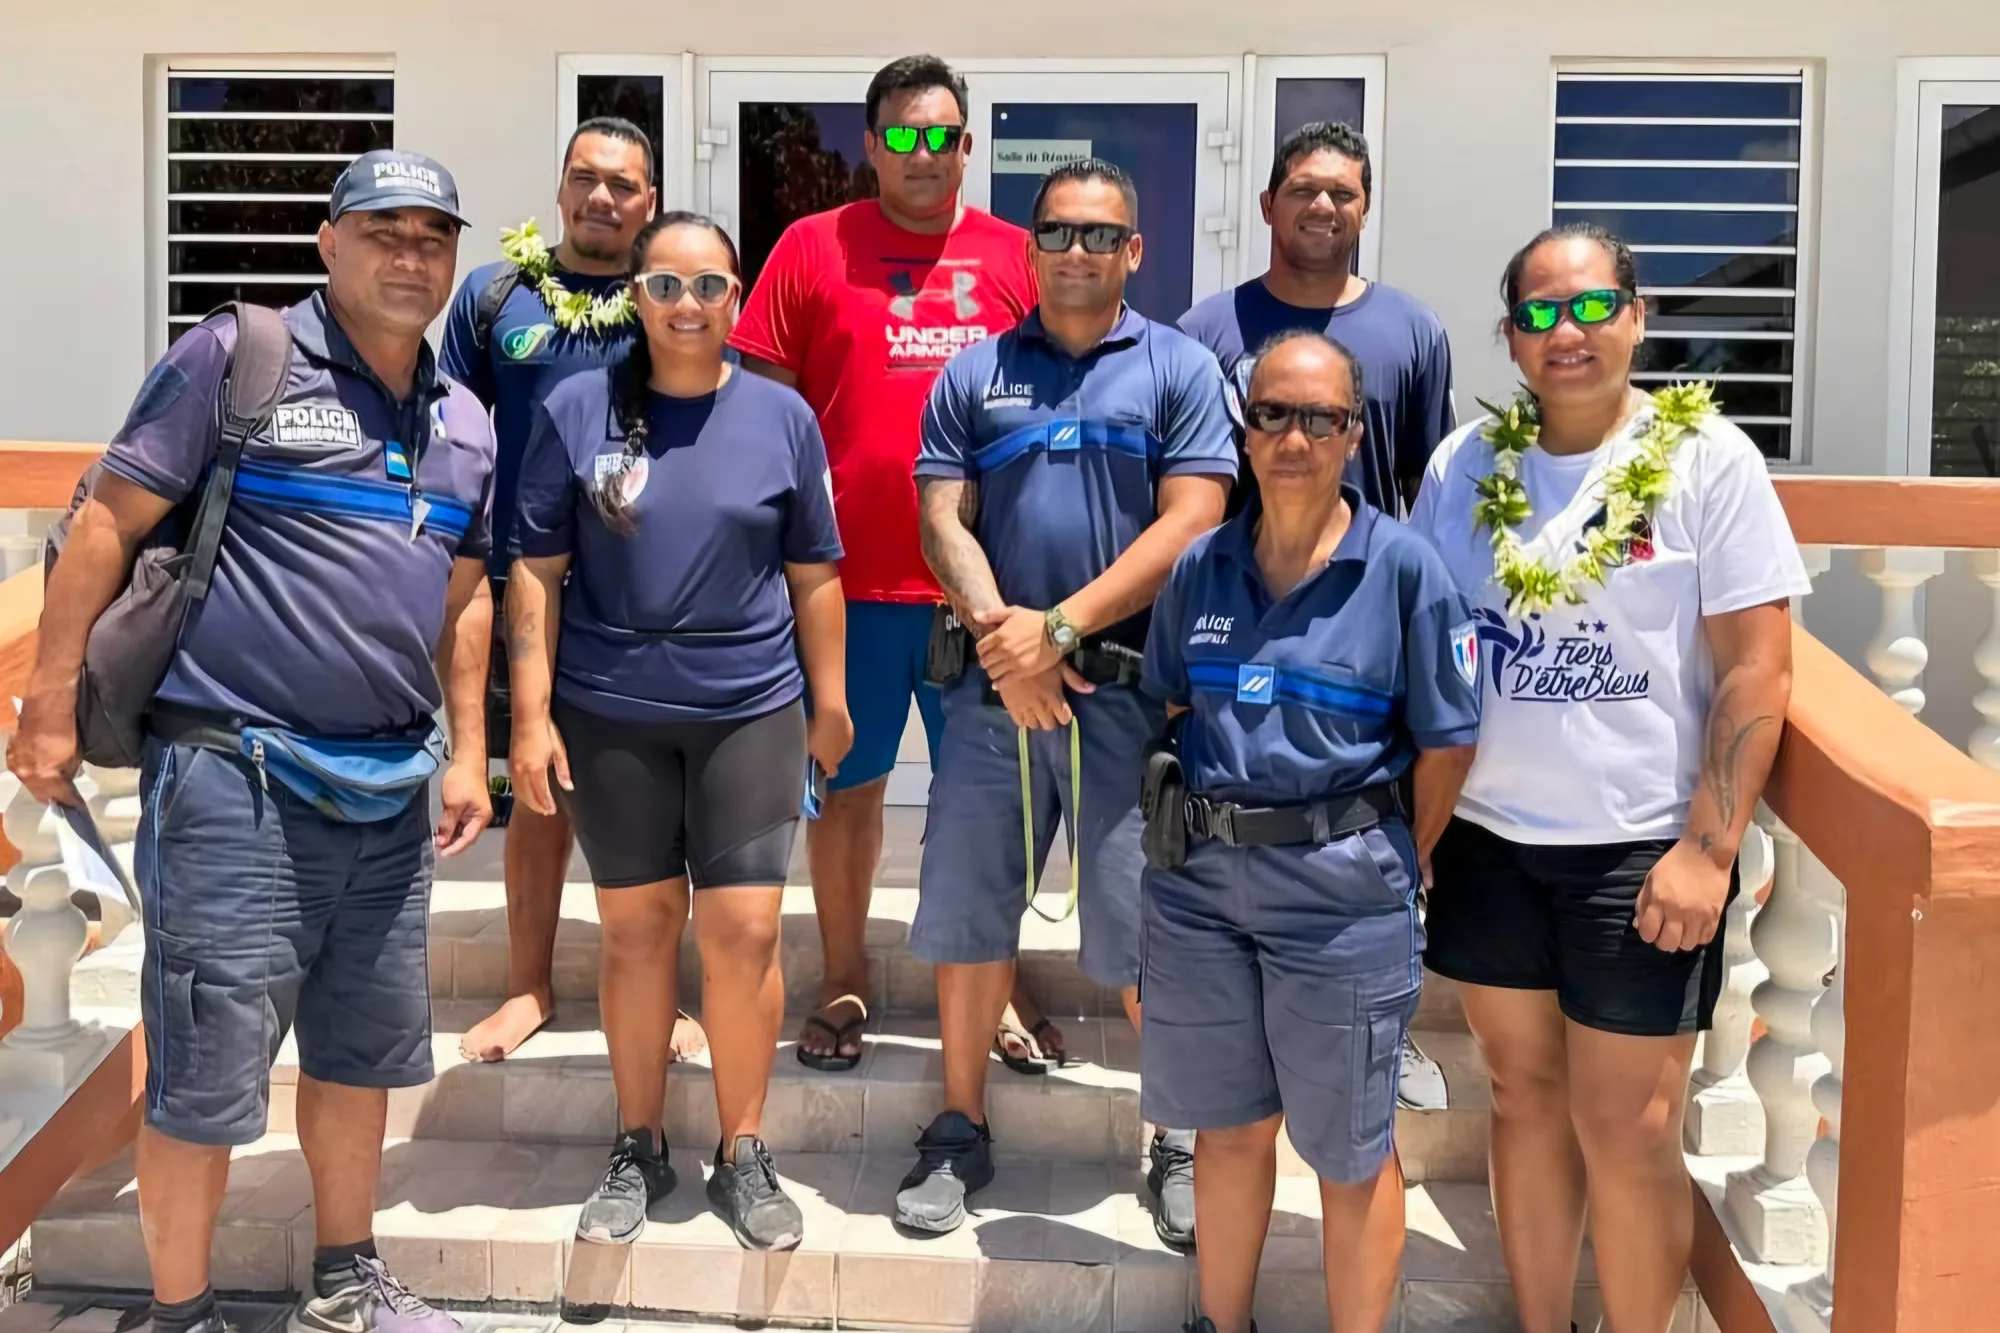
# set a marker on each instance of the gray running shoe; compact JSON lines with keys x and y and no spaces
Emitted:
{"x":636,"y":1178}
{"x":1171,"y":1179}
{"x":371,"y":1301}
{"x":752,"y":1201}
{"x":954,"y":1158}
{"x":1420,"y":1082}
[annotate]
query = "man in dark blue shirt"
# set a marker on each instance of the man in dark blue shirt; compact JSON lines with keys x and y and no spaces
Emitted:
{"x":1316,"y":206}
{"x":1064,"y":465}
{"x":565,"y":310}
{"x":353,"y":551}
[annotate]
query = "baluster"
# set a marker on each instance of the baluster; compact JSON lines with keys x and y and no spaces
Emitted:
{"x":1724,"y":1118}
{"x":113,"y":796}
{"x":1897,"y":654}
{"x":1985,"y":743}
{"x":1771,"y":1204}
{"x":1810,"y":1303}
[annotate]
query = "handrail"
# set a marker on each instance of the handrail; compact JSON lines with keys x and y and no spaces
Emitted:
{"x":38,"y":475}
{"x":1911,"y":827}
{"x":1933,"y":512}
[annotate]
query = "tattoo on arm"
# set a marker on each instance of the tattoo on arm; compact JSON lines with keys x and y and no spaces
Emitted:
{"x":948,"y":508}
{"x":1728,"y":736}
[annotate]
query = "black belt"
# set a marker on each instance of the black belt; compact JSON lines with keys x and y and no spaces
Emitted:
{"x":1103,"y":662}
{"x":204,"y":731}
{"x":1319,"y":822}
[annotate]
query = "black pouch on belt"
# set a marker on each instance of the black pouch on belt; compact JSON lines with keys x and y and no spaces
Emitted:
{"x":1163,"y":802}
{"x":950,"y":648}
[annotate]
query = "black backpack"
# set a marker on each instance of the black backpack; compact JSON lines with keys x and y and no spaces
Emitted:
{"x":132,"y":644}
{"x":491,"y":298}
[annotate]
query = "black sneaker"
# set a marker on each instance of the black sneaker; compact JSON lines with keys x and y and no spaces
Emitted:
{"x":753,"y":1203}
{"x":637,"y":1178}
{"x":1171,"y":1179}
{"x":954,"y":1158}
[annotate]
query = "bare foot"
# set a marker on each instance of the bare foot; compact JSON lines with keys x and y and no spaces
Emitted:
{"x":688,"y":1040}
{"x":501,"y":1033}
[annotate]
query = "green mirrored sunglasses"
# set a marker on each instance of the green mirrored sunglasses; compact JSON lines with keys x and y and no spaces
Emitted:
{"x":939,"y":139}
{"x":1541,"y":314}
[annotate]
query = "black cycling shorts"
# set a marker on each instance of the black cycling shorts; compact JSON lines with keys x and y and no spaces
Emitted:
{"x":1546,"y":917}
{"x":717,"y":801}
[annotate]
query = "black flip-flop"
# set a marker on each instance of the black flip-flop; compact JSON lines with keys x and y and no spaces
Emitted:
{"x":851,"y":1030}
{"x":1030,"y":1065}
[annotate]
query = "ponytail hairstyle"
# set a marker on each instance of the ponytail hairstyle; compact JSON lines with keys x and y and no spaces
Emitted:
{"x":632,"y":377}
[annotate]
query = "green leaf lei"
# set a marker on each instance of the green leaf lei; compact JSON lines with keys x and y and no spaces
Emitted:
{"x":1632,"y":490}
{"x":572,"y":311}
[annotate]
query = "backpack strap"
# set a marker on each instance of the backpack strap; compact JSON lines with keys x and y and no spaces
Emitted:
{"x":253,"y":382}
{"x":491,"y":297}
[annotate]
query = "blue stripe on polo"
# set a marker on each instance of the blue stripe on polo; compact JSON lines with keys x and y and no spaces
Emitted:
{"x":1295,"y":686}
{"x":351,"y":497}
{"x":1059,"y":436}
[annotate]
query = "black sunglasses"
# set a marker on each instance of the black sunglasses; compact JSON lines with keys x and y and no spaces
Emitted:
{"x":1319,"y":421}
{"x":1099,"y":238}
{"x":940,"y":139}
{"x":1541,"y":314}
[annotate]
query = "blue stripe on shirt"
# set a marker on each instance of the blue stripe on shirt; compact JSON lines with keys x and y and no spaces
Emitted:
{"x":351,"y":497}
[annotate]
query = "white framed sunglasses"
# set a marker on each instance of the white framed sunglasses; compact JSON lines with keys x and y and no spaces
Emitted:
{"x":666,"y":287}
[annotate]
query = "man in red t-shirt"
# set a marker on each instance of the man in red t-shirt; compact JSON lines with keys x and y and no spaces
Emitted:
{"x":859,"y":308}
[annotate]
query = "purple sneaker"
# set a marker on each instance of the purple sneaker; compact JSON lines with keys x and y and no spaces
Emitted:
{"x":372,"y":1301}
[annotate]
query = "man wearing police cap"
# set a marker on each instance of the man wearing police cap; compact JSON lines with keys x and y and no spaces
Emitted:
{"x":286,"y":848}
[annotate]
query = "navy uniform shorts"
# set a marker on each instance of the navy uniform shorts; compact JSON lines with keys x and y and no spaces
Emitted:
{"x":973,"y":885}
{"x":260,"y":912}
{"x":1282,"y":979}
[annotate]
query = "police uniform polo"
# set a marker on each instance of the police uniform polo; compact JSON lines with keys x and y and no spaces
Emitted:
{"x":1068,"y":453}
{"x":351,"y":507}
{"x":1282,"y":978}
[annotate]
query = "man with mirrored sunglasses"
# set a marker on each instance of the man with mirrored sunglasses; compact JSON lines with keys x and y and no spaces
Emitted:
{"x":858,"y":308}
{"x":1065,"y":465}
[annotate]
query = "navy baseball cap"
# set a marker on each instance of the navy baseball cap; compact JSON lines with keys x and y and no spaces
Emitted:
{"x":386,"y":178}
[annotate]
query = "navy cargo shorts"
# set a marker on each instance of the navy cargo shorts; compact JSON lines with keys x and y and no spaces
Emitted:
{"x":261,"y":912}
{"x":972,"y":888}
{"x":1283,"y":979}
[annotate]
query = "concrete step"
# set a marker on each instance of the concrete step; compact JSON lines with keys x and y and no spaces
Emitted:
{"x":1051,"y":1246}
{"x":469,"y":953}
{"x":557,"y":1090}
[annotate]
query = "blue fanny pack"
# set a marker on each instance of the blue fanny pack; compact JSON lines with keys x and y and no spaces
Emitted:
{"x":354,"y":781}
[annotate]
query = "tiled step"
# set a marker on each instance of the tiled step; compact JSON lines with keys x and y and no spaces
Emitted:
{"x":1050,"y":1246}
{"x":557,"y":1089}
{"x":469,"y":954}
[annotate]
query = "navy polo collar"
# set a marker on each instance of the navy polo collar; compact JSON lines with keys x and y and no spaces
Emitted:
{"x":316,"y":331}
{"x":1237,"y":539}
{"x":1131,"y":326}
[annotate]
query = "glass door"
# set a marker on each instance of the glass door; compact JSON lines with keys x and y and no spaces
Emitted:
{"x":642,"y":89}
{"x":1955,"y":361}
{"x":1291,"y":91}
{"x":1170,"y":131}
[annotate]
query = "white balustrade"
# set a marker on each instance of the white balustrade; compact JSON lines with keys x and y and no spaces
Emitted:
{"x":1985,"y":743}
{"x":1774,"y":1209}
{"x":1897,"y":654}
{"x":1810,"y":1303}
{"x":1724,"y":1117}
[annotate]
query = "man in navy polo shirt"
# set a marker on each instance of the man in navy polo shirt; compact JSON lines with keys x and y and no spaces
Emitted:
{"x":351,"y":578}
{"x":1317,"y":205}
{"x":512,"y":357}
{"x":1064,"y":465}
{"x":1317,"y":658}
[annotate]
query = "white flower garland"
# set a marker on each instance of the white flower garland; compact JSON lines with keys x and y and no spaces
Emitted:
{"x":572,"y":311}
{"x":1632,"y":491}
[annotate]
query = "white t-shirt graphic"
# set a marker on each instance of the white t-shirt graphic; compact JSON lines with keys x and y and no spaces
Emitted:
{"x":1594,"y":713}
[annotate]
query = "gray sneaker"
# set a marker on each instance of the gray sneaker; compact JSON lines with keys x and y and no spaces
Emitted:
{"x":1420,"y":1082}
{"x":372,"y":1301}
{"x":954,"y":1158}
{"x":1171,"y":1179}
{"x":751,"y":1200}
{"x":636,"y":1178}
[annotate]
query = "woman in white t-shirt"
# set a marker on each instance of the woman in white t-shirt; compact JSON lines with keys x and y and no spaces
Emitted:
{"x":1629,"y":567}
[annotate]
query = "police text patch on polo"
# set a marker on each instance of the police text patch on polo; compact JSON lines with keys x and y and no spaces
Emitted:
{"x":1255,"y":683}
{"x":334,"y":427}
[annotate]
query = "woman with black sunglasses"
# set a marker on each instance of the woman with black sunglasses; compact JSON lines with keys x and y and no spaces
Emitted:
{"x":1312,"y":655}
{"x":1630,"y":570}
{"x":688,"y":505}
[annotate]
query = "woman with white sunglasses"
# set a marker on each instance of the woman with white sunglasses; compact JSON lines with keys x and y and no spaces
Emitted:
{"x":689,"y":507}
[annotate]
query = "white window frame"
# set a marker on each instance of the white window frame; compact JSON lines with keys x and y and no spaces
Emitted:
{"x":164,"y":68}
{"x":676,"y":146}
{"x":1260,"y":84}
{"x":1806,"y":249}
{"x":1923,"y":86}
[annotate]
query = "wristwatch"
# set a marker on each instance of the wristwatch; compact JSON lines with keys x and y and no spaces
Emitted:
{"x":1060,"y":629}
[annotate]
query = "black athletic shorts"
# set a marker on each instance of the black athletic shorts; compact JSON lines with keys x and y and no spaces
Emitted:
{"x":1546,"y":917}
{"x":717,"y":801}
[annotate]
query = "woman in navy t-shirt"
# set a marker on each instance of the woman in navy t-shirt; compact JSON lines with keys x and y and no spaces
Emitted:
{"x":690,"y":508}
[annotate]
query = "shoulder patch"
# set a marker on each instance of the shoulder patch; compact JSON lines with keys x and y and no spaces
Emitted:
{"x":1465,"y":652}
{"x":164,"y":385}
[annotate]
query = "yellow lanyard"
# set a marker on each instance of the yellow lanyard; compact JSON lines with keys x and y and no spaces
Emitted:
{"x":1069,"y":820}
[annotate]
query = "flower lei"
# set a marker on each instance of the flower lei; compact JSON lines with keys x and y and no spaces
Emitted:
{"x":572,"y":311}
{"x":1632,"y":491}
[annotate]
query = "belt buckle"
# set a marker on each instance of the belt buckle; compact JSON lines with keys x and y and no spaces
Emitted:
{"x":1222,"y":823}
